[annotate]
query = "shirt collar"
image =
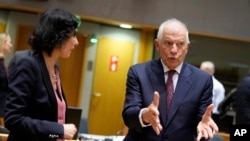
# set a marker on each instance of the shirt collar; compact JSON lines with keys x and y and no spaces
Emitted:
{"x":166,"y":69}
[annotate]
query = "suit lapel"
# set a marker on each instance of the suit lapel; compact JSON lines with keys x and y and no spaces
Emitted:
{"x":46,"y":79}
{"x":181,"y":91}
{"x":157,"y":80}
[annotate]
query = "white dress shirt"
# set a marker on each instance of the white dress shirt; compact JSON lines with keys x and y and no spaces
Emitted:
{"x":218,"y":94}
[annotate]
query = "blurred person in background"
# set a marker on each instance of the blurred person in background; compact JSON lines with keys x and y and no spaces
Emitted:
{"x":218,"y":88}
{"x":5,"y":48}
{"x":243,"y":101}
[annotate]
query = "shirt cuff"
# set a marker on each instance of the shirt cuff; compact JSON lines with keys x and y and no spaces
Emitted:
{"x":141,"y":121}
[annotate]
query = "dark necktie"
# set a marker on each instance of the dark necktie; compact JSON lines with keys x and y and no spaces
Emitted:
{"x":170,"y":88}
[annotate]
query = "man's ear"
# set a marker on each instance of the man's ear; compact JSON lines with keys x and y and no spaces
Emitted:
{"x":188,"y":45}
{"x":156,"y":43}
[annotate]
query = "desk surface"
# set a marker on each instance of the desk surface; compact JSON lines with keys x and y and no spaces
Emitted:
{"x":83,"y":137}
{"x":226,"y":136}
{"x":3,"y":136}
{"x":94,"y":137}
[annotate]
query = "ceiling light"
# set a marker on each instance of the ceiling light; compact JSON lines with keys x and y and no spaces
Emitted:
{"x":125,"y":26}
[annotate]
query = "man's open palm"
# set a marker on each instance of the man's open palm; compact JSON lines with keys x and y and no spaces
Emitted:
{"x":207,"y":127}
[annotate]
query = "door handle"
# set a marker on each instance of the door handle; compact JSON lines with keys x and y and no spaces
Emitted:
{"x":97,"y":94}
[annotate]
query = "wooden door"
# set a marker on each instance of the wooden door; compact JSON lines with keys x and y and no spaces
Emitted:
{"x":70,"y":68}
{"x":22,"y":35}
{"x":105,"y":116}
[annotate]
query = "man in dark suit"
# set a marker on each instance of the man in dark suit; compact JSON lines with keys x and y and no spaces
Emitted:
{"x":242,"y":101}
{"x":188,"y":116}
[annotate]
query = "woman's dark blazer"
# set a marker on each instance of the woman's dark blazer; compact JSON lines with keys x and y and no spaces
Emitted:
{"x":3,"y":86}
{"x":31,"y":105}
{"x":193,"y":93}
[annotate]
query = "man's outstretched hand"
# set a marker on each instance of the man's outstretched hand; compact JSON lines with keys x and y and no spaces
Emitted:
{"x":150,"y":115}
{"x":207,"y":127}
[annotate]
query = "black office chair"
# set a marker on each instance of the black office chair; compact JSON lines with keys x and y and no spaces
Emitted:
{"x":228,"y":104}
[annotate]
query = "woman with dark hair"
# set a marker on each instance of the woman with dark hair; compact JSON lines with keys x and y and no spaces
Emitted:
{"x":35,"y":108}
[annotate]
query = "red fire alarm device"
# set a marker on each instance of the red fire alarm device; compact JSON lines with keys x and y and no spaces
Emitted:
{"x":113,"y":63}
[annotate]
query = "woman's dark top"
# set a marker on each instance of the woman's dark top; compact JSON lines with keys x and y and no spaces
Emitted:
{"x":3,"y":86}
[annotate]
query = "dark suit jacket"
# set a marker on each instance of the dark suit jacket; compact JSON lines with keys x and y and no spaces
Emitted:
{"x":192,"y":95}
{"x":31,"y":105}
{"x":242,"y":101}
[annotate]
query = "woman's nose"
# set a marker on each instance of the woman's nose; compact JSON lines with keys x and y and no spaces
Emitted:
{"x":76,"y":42}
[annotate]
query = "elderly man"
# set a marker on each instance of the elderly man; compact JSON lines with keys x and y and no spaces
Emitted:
{"x":168,"y":99}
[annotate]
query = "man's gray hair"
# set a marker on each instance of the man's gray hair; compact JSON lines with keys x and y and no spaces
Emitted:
{"x":171,"y":22}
